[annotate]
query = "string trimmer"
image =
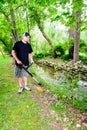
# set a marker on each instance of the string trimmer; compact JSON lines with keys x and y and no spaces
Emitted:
{"x":39,"y":88}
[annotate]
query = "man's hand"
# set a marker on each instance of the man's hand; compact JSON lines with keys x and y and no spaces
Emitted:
{"x":31,"y":58}
{"x":19,"y":62}
{"x":32,"y":62}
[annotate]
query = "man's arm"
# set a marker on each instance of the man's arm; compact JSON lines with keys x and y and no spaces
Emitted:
{"x":31,"y":57}
{"x":15,"y":57}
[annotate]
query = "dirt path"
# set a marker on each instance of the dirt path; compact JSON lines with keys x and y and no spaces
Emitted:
{"x":43,"y":98}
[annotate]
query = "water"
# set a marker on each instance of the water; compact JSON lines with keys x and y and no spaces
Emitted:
{"x":58,"y":79}
{"x":51,"y":76}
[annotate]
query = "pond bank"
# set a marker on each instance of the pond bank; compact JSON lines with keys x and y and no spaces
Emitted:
{"x":73,"y":69}
{"x":41,"y":68}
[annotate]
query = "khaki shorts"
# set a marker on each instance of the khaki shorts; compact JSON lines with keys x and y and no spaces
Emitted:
{"x":20,"y":72}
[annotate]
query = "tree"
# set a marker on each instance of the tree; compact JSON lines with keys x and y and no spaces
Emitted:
{"x":37,"y":19}
{"x":11,"y":23}
{"x":78,"y":11}
{"x":37,"y":16}
{"x":71,"y":16}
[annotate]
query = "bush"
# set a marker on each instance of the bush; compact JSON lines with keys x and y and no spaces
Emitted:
{"x":59,"y":50}
{"x":48,"y":53}
{"x":41,"y":55}
{"x":83,"y":46}
{"x":38,"y":55}
{"x":82,"y":43}
{"x":65,"y":57}
{"x":83,"y":58}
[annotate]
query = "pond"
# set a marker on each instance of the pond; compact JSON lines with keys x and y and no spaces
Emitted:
{"x":60,"y":79}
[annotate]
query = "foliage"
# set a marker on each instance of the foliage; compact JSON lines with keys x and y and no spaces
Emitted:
{"x":42,"y":55}
{"x":59,"y":50}
{"x":65,"y":57}
{"x":83,"y":57}
{"x":65,"y":96}
{"x":52,"y":15}
{"x":38,"y":55}
{"x":83,"y":46}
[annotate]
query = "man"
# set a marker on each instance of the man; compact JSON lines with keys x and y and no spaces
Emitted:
{"x":22,"y":52}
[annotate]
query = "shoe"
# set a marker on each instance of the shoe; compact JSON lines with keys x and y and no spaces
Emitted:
{"x":20,"y":90}
{"x":27,"y":88}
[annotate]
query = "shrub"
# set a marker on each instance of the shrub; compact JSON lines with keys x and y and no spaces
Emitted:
{"x":59,"y":50}
{"x":83,"y":58}
{"x":41,"y":55}
{"x":83,"y":46}
{"x":38,"y":55}
{"x":65,"y":57}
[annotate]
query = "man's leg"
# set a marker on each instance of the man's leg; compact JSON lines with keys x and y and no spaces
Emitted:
{"x":26,"y":83}
{"x":20,"y":81}
{"x":20,"y":85}
{"x":18,"y":75}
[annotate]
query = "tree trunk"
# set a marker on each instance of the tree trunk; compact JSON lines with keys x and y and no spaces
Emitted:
{"x":37,"y":18}
{"x":14,"y":30}
{"x":4,"y":43}
{"x":71,"y":42}
{"x":49,"y":41}
{"x":27,"y":20}
{"x":71,"y":33}
{"x":71,"y":38}
{"x":77,"y":38}
{"x":76,"y":44}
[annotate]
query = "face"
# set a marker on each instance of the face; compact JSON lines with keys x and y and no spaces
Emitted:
{"x":26,"y":38}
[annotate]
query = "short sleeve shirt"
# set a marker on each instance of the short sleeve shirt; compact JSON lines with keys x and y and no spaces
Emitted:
{"x":22,"y":51}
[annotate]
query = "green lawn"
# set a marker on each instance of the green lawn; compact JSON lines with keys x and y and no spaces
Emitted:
{"x":22,"y":112}
{"x":17,"y":112}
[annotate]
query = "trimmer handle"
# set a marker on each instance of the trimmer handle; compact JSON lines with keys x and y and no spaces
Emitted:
{"x":27,"y":66}
{"x":30,"y":64}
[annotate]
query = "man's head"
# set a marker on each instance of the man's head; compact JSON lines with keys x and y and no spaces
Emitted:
{"x":26,"y":37}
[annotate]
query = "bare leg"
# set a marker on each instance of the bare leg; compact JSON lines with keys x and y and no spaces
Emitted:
{"x":20,"y":84}
{"x":25,"y":81}
{"x":20,"y":81}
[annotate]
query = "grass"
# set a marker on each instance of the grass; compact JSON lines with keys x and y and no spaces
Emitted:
{"x":17,"y":112}
{"x":68,"y":119}
{"x":22,"y":112}
{"x":63,"y":93}
{"x":61,"y":105}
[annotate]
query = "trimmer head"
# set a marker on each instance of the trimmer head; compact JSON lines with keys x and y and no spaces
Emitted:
{"x":40,"y":89}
